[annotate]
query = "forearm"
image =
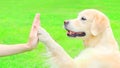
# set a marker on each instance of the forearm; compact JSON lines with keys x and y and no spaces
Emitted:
{"x":13,"y":49}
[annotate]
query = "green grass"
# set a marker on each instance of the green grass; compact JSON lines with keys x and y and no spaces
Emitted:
{"x":16,"y":18}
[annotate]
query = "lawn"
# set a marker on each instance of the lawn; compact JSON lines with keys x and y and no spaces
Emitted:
{"x":16,"y":18}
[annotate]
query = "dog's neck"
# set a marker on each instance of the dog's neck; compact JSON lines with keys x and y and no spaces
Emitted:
{"x":104,"y":40}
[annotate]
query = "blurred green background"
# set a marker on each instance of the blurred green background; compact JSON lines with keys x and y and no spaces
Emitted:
{"x":16,"y":18}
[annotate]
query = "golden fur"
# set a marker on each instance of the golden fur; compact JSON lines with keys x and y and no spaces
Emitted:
{"x":101,"y":48}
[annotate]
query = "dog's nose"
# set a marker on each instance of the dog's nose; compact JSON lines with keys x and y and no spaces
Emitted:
{"x":66,"y":22}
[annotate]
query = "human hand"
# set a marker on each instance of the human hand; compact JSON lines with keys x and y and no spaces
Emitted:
{"x":33,"y":37}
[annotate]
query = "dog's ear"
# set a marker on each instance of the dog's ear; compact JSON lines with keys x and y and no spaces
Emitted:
{"x":99,"y":24}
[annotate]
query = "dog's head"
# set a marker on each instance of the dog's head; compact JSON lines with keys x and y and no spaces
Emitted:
{"x":89,"y":22}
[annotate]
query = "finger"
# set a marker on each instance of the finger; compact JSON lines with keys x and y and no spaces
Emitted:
{"x":33,"y":32}
{"x":36,"y":21}
{"x":35,"y":24}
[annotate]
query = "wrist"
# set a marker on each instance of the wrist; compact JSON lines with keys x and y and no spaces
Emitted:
{"x":28,"y":46}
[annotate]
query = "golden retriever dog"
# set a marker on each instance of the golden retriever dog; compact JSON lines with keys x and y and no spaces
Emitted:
{"x":101,"y":49}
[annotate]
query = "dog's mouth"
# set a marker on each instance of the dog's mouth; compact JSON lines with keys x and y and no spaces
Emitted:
{"x":75,"y":34}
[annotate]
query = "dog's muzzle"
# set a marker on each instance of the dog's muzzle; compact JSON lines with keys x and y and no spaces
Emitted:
{"x":72,"y":33}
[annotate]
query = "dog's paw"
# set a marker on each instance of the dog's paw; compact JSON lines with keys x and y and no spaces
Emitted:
{"x":43,"y":35}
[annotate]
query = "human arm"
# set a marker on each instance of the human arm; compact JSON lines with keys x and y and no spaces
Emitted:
{"x":19,"y":48}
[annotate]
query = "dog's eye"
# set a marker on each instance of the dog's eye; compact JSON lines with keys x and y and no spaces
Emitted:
{"x":83,"y":18}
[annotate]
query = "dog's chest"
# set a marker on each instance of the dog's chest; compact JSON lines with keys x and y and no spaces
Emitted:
{"x":87,"y":59}
{"x":86,"y":54}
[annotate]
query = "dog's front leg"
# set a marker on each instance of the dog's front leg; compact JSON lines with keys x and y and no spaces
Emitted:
{"x":60,"y":57}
